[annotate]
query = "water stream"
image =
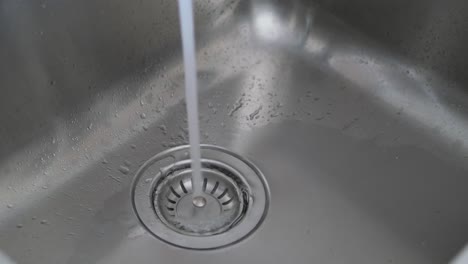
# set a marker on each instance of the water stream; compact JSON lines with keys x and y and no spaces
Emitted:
{"x":191,"y":96}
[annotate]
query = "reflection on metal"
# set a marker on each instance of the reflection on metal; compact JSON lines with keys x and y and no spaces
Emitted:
{"x":358,"y":119}
{"x":284,"y":23}
{"x":373,"y":70}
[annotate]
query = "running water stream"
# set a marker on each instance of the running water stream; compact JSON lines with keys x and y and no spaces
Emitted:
{"x":191,"y":97}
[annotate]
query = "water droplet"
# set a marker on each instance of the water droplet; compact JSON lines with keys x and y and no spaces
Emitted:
{"x":123,"y":169}
{"x":10,"y":206}
{"x":104,"y":161}
{"x":255,"y":113}
{"x":19,"y":226}
{"x":145,"y":127}
{"x":163,"y":129}
{"x":133,"y":146}
{"x":44,"y":222}
{"x":236,"y":107}
{"x":142,"y":115}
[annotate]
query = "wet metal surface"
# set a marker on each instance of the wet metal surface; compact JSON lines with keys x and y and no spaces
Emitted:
{"x":357,"y":119}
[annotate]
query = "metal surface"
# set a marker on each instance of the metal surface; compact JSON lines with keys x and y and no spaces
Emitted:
{"x":356,"y":112}
{"x":199,"y":201}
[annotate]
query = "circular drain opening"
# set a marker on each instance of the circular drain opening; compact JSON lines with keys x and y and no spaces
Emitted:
{"x":224,"y":202}
{"x":235,"y":194}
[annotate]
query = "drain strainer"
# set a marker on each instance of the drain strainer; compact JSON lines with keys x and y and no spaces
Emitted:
{"x":235,"y":198}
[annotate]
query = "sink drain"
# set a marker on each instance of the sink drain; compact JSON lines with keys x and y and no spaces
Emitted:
{"x":223,"y":200}
{"x":234,"y":203}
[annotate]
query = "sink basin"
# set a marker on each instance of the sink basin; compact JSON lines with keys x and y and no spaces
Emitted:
{"x":356,"y":113}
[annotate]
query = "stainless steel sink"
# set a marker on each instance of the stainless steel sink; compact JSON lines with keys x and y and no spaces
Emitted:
{"x":356,"y":113}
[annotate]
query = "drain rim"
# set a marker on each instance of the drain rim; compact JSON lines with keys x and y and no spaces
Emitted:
{"x":259,"y":198}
